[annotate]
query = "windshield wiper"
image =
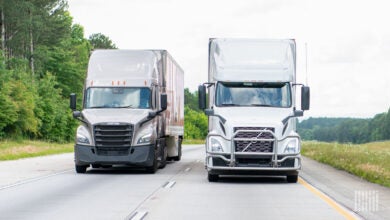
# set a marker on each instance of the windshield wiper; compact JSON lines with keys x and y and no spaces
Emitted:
{"x":263,"y":105}
{"x":128,"y":106}
{"x":102,"y":106}
{"x":229,"y":104}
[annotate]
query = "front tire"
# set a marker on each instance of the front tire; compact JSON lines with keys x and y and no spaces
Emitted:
{"x":212,"y":177}
{"x":153,"y":168}
{"x":292,"y":178}
{"x":80,"y":169}
{"x":164,"y":156}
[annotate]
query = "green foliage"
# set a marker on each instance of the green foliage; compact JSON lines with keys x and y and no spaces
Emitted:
{"x":191,"y":99}
{"x":42,"y":60}
{"x":346,"y":130}
{"x":195,"y":124}
{"x":101,"y":41}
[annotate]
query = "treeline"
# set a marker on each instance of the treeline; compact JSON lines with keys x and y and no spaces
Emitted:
{"x":346,"y":130}
{"x":43,"y":58}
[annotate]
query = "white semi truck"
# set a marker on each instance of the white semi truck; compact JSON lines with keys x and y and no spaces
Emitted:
{"x":133,"y":110}
{"x":252,"y":108}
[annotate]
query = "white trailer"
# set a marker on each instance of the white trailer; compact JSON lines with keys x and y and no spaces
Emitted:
{"x":252,"y":108}
{"x":133,"y":110}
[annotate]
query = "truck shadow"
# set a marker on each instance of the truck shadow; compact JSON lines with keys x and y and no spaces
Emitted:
{"x":252,"y":179}
{"x":121,"y":169}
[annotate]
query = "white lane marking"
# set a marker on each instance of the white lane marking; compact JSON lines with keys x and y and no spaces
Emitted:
{"x":188,"y":169}
{"x":138,"y":215}
{"x":33,"y":179}
{"x":169,"y":184}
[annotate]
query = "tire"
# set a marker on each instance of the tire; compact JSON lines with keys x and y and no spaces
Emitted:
{"x":292,"y":179}
{"x":212,"y":177}
{"x":81,"y":169}
{"x":152,"y":169}
{"x":164,"y":156}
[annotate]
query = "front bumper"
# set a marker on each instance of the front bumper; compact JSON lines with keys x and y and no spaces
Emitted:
{"x":137,"y":156}
{"x":252,"y":163}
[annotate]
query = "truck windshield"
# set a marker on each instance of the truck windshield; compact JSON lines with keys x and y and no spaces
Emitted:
{"x":118,"y":97}
{"x":253,"y":94}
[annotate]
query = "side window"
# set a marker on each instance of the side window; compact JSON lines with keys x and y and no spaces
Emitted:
{"x":154,"y":97}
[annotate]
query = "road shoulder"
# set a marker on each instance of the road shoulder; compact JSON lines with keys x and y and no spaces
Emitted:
{"x":17,"y":171}
{"x":371,"y":201}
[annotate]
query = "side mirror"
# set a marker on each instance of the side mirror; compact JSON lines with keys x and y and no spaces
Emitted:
{"x":202,"y":97}
{"x":209,"y":112}
{"x":298,"y":113}
{"x":164,"y":101}
{"x":73,"y":101}
{"x":76,"y":114}
{"x":305,"y":98}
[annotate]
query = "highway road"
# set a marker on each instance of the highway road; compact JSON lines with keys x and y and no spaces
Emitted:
{"x":179,"y":191}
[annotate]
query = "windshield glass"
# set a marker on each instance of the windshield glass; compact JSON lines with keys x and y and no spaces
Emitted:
{"x":253,"y":94}
{"x":118,"y":97}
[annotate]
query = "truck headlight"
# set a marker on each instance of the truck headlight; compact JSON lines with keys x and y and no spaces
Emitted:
{"x":215,"y":145}
{"x":292,"y":146}
{"x":145,"y":139}
{"x":82,"y":136}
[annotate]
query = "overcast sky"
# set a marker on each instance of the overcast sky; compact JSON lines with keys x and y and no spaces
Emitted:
{"x":348,"y":41}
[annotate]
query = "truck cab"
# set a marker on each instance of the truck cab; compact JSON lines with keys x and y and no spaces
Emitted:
{"x":252,"y":108}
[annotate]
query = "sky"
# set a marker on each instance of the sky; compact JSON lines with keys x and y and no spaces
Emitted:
{"x":348,"y":42}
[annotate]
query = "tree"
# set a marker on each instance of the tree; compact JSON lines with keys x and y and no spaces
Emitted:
{"x":101,"y":41}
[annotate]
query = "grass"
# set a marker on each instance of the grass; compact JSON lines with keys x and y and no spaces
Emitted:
{"x":194,"y":141}
{"x":12,"y":150}
{"x":369,"y":161}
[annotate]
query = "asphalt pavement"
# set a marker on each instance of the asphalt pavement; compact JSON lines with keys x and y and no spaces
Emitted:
{"x":48,"y":188}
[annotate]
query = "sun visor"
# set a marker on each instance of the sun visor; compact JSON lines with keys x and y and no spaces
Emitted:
{"x":122,"y":65}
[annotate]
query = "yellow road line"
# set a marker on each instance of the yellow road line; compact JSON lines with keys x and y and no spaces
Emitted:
{"x":331,"y":202}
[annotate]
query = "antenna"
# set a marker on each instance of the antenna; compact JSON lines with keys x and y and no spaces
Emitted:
{"x":306,"y":60}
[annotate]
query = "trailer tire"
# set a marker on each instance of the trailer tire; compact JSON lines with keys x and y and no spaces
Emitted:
{"x":212,"y":177}
{"x":292,"y":178}
{"x":80,"y":169}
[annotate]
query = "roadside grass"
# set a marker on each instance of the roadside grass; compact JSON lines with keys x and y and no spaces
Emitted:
{"x":194,"y":141}
{"x":369,"y":161}
{"x":12,"y":150}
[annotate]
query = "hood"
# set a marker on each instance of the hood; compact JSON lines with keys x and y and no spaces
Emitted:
{"x":123,"y":115}
{"x":254,"y":116}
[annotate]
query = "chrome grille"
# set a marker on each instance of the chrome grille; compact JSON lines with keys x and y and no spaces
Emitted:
{"x":254,"y":146}
{"x":113,"y":140}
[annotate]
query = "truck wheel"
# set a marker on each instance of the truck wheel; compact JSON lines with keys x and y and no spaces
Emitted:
{"x":212,"y":177}
{"x":152,"y":169}
{"x":164,"y":156}
{"x":81,"y":169}
{"x":292,"y":179}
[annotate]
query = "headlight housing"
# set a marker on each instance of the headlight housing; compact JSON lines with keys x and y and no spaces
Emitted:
{"x":216,"y":144}
{"x":292,"y":146}
{"x":145,"y":139}
{"x":82,"y":136}
{"x":145,"y":135}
